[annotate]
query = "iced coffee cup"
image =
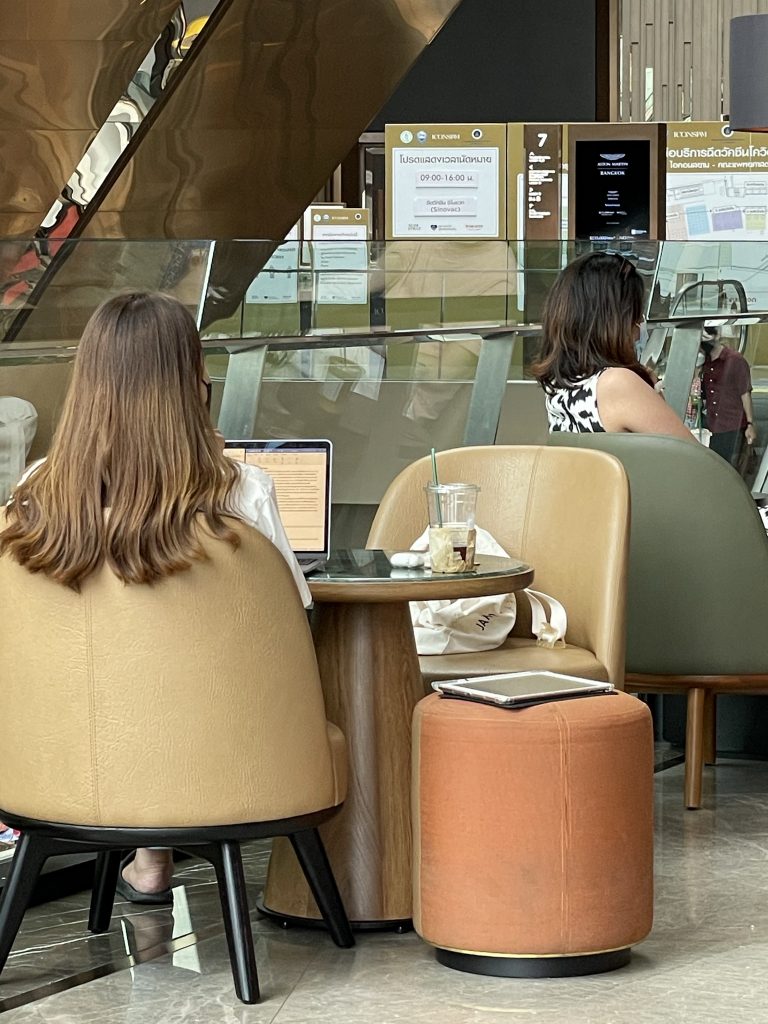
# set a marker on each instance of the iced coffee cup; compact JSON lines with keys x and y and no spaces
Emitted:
{"x":452,"y":526}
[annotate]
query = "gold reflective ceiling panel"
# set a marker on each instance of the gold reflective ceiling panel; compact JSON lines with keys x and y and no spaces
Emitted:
{"x":63,"y":66}
{"x":261,"y":115}
{"x":61,"y":21}
{"x":426,"y":18}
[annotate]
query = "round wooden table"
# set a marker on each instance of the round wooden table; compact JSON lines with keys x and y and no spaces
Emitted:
{"x":371,"y":681}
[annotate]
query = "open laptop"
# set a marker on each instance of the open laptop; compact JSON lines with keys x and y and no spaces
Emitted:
{"x":301,"y":471}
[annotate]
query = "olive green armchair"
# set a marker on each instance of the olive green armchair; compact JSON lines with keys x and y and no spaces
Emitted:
{"x":697,"y":600}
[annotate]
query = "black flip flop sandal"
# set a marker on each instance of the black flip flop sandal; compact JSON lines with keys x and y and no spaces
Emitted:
{"x":127,"y":891}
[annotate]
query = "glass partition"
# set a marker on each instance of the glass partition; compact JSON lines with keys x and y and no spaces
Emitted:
{"x":386,"y":348}
{"x":260,"y":288}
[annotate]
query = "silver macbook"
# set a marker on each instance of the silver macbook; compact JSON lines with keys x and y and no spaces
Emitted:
{"x":301,"y":471}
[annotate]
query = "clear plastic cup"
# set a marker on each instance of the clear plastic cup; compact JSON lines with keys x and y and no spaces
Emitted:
{"x":452,"y":526}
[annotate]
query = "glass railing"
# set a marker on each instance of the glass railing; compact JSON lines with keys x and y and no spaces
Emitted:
{"x":243,"y":289}
{"x":386,"y":348}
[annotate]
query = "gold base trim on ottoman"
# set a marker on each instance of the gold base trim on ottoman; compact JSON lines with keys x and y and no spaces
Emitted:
{"x":505,"y":965}
{"x":533,"y":956}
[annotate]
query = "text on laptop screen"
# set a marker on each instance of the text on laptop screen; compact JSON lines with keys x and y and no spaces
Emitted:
{"x":300,"y":487}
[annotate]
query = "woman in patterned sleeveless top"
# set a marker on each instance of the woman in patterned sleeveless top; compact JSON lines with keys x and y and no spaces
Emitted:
{"x":588,"y":366}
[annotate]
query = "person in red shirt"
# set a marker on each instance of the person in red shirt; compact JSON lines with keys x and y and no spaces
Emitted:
{"x":726,"y":386}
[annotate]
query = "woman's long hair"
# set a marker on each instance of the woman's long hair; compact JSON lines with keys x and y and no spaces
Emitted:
{"x":590,"y":320}
{"x":134,"y":437}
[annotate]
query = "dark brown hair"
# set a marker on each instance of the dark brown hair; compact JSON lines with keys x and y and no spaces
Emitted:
{"x":589,"y":321}
{"x":135,"y":436}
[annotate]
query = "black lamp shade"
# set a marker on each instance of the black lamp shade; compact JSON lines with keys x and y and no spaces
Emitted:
{"x":749,"y":73}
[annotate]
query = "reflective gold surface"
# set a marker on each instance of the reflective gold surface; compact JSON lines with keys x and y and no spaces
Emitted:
{"x":63,"y":66}
{"x":262,"y":113}
{"x":62,"y":85}
{"x":267,"y":103}
{"x":67,"y":20}
{"x":33,"y":166}
{"x":427,"y":19}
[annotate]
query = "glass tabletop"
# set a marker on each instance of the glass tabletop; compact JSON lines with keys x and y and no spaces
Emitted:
{"x":347,"y":565}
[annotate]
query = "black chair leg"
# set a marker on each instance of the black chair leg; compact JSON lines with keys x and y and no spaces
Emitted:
{"x":103,"y":894}
{"x":228,"y":865}
{"x":314,"y":863}
{"x":30,"y":855}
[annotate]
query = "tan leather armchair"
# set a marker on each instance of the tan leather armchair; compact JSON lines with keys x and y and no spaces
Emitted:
{"x":185,"y":714}
{"x":565,"y":514}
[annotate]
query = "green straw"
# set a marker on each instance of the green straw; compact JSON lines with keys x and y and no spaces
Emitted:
{"x":437,"y":484}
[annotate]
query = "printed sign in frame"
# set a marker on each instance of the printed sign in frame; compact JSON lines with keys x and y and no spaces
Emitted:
{"x":446,"y":181}
{"x":340,"y":259}
{"x":717,"y":183}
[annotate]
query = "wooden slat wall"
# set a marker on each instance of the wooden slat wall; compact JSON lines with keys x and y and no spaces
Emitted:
{"x":686,"y":44}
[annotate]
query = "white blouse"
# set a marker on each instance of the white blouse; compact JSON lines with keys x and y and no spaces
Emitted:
{"x":253,"y":501}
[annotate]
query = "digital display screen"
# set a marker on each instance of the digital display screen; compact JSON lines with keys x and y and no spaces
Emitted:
{"x":302,"y":479}
{"x":613,"y":189}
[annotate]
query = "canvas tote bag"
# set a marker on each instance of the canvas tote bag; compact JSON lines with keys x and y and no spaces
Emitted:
{"x":481,"y":623}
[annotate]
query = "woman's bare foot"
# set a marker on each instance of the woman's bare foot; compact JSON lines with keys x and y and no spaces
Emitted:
{"x":150,"y":871}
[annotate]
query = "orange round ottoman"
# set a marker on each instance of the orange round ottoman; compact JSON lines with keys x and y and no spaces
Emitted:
{"x":533,"y":834}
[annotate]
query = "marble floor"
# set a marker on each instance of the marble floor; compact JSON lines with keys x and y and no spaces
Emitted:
{"x":705,"y":960}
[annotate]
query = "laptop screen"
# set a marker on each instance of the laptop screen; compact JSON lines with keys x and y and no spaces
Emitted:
{"x":301,"y":471}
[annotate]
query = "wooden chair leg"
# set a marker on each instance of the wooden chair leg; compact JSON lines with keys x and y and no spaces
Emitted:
{"x":313,"y":859}
{"x":228,"y":865}
{"x":710,"y":728}
{"x":694,"y":747}
{"x":28,"y":858}
{"x":103,"y":893}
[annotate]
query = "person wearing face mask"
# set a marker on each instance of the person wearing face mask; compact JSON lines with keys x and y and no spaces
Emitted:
{"x":726,"y":387}
{"x":135,"y":475}
{"x":642,"y":340}
{"x":594,"y":334}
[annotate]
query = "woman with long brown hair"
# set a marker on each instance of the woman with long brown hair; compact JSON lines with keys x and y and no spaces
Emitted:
{"x":588,"y":365}
{"x":134,"y":472}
